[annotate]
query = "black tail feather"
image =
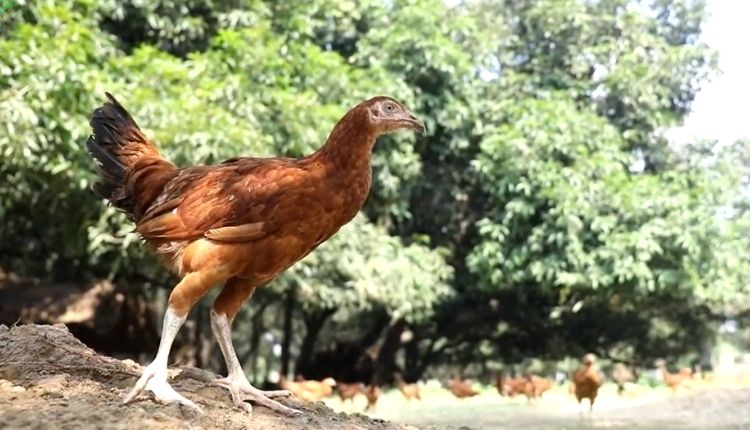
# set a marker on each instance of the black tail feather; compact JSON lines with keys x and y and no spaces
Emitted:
{"x":117,"y":144}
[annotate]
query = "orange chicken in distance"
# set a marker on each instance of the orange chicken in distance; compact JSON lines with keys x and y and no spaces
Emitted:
{"x":586,"y":381}
{"x":237,"y":224}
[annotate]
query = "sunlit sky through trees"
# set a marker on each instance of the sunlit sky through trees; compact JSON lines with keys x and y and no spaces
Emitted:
{"x":720,"y":110}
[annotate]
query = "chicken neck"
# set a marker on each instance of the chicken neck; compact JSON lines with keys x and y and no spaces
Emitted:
{"x":345,"y":163}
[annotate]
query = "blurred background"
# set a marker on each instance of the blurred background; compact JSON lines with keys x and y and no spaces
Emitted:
{"x":582,"y":188}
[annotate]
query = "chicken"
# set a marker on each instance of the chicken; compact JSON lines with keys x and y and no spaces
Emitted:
{"x":237,"y":224}
{"x":410,"y":391}
{"x":349,"y":391}
{"x":372,"y":392}
{"x":512,"y":386}
{"x":586,"y":381}
{"x":461,"y":388}
{"x":531,"y":386}
{"x":540,"y":385}
{"x":674,"y":380}
{"x":311,"y":391}
{"x":622,"y":374}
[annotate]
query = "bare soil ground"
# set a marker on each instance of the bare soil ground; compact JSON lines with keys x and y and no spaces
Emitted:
{"x":715,"y":409}
{"x":710,"y":406}
{"x":48,"y":379}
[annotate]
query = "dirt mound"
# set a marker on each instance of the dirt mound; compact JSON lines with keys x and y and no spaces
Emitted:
{"x":49,"y":379}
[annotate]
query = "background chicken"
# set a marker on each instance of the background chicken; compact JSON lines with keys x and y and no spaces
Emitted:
{"x":311,"y":391}
{"x":674,"y":380}
{"x":540,"y":385}
{"x":348,"y":391}
{"x":372,"y":392}
{"x":410,"y":391}
{"x":586,"y":381}
{"x":237,"y":224}
{"x":461,"y":388}
{"x":513,"y":386}
{"x":532,"y":386}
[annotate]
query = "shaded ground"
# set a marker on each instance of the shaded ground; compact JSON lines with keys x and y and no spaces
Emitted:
{"x":48,"y":379}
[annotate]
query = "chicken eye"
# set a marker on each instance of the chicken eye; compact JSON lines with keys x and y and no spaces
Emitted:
{"x":390,"y":107}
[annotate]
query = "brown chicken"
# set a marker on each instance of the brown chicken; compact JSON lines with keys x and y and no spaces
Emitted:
{"x":674,"y":380}
{"x":513,"y":386}
{"x":410,"y":391}
{"x":540,"y":385}
{"x":461,"y":388}
{"x":311,"y":391}
{"x":238,"y":224}
{"x":531,"y":386}
{"x":349,"y":391}
{"x":586,"y":381}
{"x":372,"y":392}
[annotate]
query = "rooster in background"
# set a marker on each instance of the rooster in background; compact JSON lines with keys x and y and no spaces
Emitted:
{"x":586,"y":381}
{"x":238,"y":224}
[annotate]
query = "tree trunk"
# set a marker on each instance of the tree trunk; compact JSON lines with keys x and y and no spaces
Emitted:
{"x":386,"y":362}
{"x":427,"y":355}
{"x":313,"y":323}
{"x":411,"y":361}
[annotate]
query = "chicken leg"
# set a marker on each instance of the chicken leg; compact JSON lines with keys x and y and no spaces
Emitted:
{"x":154,"y":377}
{"x":184,"y":295}
{"x":236,"y":382}
{"x":227,"y":304}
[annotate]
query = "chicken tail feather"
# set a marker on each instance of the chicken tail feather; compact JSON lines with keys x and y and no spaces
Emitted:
{"x":132,"y":172}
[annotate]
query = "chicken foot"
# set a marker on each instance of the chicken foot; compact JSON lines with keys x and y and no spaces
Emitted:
{"x":154,"y":377}
{"x":236,"y":381}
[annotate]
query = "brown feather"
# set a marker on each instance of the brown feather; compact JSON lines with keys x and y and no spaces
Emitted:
{"x":237,"y":233}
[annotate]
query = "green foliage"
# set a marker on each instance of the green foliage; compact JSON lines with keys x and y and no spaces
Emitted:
{"x":370,"y":268}
{"x":250,"y":91}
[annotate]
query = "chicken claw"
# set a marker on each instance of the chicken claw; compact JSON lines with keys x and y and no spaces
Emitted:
{"x":241,"y":390}
{"x":154,"y":379}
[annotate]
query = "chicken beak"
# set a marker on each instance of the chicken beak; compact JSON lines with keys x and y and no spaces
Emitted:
{"x":415,"y":122}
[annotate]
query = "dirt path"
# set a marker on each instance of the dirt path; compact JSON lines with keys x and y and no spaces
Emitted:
{"x":712,"y":409}
{"x":48,"y":379}
{"x":708,"y":409}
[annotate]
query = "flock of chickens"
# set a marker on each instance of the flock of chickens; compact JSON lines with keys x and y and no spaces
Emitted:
{"x":531,"y":386}
{"x":585,"y":384}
